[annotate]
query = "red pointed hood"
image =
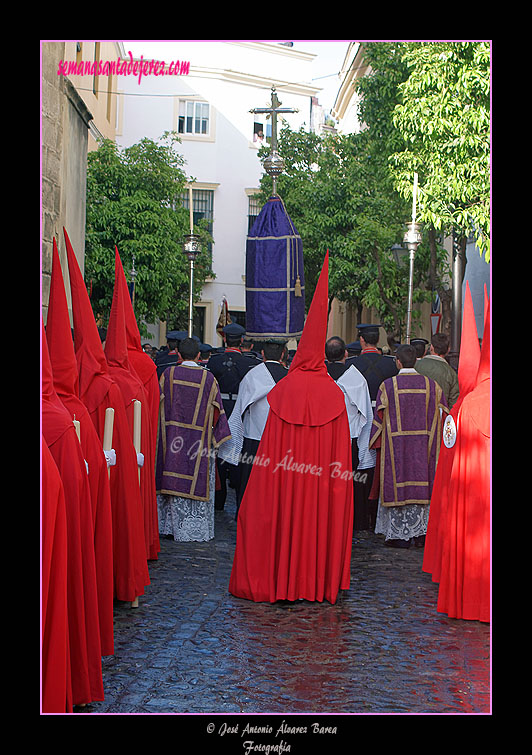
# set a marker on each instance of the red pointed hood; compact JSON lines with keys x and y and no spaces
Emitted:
{"x":308,"y":395}
{"x":485,"y":353}
{"x":47,"y":378}
{"x":116,"y":340}
{"x":94,"y":379}
{"x":310,"y":354}
{"x":59,"y":334}
{"x":476,"y":405}
{"x":139,"y":362}
{"x":469,"y":347}
{"x":116,"y":351}
{"x":132,"y":330}
{"x":55,"y":418}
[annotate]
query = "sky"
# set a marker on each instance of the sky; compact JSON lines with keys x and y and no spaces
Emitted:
{"x":330,"y":56}
{"x":325,"y":67}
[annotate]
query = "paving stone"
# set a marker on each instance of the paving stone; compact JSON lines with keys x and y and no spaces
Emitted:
{"x":192,"y":648}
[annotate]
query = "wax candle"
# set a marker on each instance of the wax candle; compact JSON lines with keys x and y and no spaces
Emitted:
{"x":137,"y":419}
{"x":190,"y":209}
{"x":137,"y":415}
{"x":108,"y":428}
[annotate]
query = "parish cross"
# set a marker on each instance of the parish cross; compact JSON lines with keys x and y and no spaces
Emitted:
{"x":273,"y":110}
{"x":274,"y":164}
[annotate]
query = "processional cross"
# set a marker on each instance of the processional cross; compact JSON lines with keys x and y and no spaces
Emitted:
{"x":274,"y":164}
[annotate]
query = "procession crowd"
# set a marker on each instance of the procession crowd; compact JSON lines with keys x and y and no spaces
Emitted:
{"x":317,"y":442}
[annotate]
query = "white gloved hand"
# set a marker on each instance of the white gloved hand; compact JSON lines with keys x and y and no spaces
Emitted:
{"x":110,"y":457}
{"x":140,"y":459}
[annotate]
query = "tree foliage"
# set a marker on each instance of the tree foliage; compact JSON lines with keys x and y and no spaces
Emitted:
{"x":444,"y":119}
{"x":134,"y":201}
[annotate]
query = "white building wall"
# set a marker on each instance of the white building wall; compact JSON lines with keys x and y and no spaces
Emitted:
{"x":233,"y":77}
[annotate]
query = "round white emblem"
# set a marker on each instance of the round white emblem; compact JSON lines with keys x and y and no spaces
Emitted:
{"x":449,"y":432}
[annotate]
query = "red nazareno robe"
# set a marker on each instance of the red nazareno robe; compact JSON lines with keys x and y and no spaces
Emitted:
{"x":465,"y":579}
{"x":66,"y":384}
{"x":143,"y":368}
{"x":295,"y":523}
{"x":82,"y":594}
{"x":55,"y":660}
{"x":467,"y":375}
{"x":116,"y":353}
{"x":98,"y":391}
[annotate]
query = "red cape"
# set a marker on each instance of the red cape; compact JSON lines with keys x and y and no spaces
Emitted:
{"x":295,"y":522}
{"x":464,"y":590}
{"x":83,"y":623}
{"x":55,"y":661}
{"x":116,"y":352}
{"x":467,"y":377}
{"x":66,"y":384}
{"x":98,"y":391}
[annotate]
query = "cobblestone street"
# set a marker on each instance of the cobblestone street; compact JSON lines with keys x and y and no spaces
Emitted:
{"x":192,"y":648}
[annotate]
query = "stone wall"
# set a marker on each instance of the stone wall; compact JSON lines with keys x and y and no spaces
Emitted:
{"x":64,"y":139}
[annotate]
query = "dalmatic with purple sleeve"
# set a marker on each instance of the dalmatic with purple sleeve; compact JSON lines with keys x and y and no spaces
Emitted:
{"x":407,"y":431}
{"x":192,"y":424}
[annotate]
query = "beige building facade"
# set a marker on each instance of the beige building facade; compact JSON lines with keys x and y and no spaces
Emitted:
{"x":93,"y":70}
{"x":78,"y":106}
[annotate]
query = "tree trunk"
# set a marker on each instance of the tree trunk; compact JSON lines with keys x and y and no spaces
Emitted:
{"x":459,"y":264}
{"x":436,"y":284}
{"x":395,"y":335}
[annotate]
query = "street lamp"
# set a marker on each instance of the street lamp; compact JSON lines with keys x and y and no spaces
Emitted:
{"x":191,"y":248}
{"x":412,"y":239}
{"x":399,"y":253}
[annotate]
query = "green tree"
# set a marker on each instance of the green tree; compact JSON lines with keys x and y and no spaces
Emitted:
{"x":380,"y":93}
{"x":444,"y":120}
{"x":134,"y":201}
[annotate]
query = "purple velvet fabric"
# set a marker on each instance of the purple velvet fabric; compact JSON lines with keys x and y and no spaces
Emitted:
{"x":192,"y":423}
{"x":407,"y":429}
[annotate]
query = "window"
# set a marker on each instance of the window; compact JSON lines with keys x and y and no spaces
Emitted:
{"x":95,"y":79}
{"x":253,"y":210}
{"x":109,"y":97}
{"x":238,"y":317}
{"x":259,"y":136}
{"x":194,"y":118}
{"x":198,"y":322}
{"x":202,"y":207}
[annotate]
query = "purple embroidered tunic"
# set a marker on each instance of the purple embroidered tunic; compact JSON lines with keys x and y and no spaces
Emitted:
{"x":407,"y":429}
{"x":192,"y":423}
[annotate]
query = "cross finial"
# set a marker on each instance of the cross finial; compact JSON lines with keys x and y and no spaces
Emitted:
{"x":274,"y":164}
{"x":272,"y":111}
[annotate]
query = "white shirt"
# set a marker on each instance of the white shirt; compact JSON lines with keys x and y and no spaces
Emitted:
{"x":250,"y":412}
{"x":359,"y":413}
